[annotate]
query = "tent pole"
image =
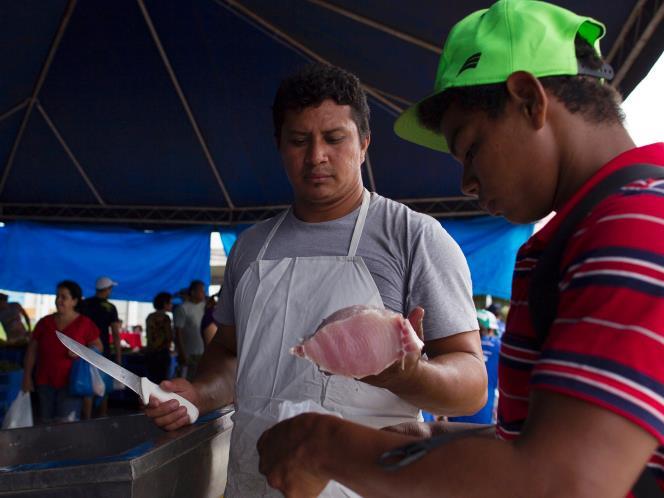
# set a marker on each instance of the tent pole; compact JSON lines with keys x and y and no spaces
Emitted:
{"x":636,"y":49}
{"x":185,"y":103}
{"x":379,"y":26}
{"x":617,"y":45}
{"x":401,"y":100}
{"x":69,"y":10}
{"x":14,"y":110}
{"x":302,"y":48}
{"x":71,"y":155}
{"x":188,"y":215}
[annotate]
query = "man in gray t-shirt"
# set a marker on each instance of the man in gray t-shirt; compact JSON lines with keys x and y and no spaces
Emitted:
{"x":187,"y":325}
{"x":307,"y":268}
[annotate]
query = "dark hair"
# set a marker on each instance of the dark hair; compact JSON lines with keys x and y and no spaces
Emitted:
{"x":74,"y":289}
{"x":161,"y":300}
{"x":4,"y":297}
{"x":194,"y":284}
{"x":313,"y":84}
{"x":594,"y":99}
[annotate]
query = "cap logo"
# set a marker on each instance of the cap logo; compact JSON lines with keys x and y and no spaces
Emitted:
{"x":471,"y":62}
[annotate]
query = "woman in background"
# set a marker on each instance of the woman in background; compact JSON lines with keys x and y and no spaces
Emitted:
{"x":159,"y":330}
{"x":53,"y":360}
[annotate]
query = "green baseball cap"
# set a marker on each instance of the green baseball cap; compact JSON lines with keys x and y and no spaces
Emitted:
{"x":491,"y":44}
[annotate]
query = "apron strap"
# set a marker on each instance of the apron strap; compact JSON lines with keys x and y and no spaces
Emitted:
{"x":359,"y":224}
{"x":357,"y":232}
{"x":271,"y":234}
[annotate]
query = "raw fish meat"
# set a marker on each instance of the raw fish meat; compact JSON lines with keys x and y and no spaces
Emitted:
{"x":360,"y":340}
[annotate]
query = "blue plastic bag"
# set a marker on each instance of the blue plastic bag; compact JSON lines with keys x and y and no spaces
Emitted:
{"x":108,"y":381}
{"x":80,"y":378}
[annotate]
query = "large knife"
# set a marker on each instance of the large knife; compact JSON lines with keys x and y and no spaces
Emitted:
{"x":140,"y":385}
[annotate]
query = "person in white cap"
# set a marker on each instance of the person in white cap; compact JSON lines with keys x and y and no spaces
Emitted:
{"x":105,"y":315}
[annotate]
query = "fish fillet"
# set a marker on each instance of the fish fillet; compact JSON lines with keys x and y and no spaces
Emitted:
{"x":358,"y":341}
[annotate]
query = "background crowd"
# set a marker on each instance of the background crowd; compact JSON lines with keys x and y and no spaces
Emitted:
{"x":176,"y":334}
{"x":172,"y":346}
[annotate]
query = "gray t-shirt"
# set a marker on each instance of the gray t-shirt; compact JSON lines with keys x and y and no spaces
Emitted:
{"x":412,"y":259}
{"x":187,"y":317}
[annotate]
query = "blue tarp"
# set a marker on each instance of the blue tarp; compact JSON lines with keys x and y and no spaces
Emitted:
{"x":229,"y":236}
{"x":489,"y":244}
{"x":123,"y":121}
{"x":35,"y":256}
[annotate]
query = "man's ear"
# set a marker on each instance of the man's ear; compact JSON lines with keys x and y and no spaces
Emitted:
{"x":364,"y":146}
{"x":529,"y":95}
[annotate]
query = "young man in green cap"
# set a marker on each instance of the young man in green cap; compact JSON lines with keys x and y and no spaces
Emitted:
{"x":521,"y":100}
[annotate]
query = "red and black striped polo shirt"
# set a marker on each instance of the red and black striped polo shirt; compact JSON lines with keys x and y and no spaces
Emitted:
{"x":606,"y":345}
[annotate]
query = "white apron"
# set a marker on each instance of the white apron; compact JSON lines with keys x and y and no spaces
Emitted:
{"x":278,"y":303}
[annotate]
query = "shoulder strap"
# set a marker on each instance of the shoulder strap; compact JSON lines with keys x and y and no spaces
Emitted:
{"x":647,"y":486}
{"x":543,"y":291}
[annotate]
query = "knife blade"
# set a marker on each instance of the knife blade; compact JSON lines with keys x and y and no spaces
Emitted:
{"x":140,"y":385}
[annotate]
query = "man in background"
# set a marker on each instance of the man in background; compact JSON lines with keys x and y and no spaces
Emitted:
{"x":159,"y":330}
{"x":187,"y":322}
{"x":105,"y":316}
{"x":11,"y":315}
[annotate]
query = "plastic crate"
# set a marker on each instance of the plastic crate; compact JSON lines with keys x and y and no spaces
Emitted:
{"x":10,"y":386}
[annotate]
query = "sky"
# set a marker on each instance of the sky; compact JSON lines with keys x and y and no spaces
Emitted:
{"x":644,"y":107}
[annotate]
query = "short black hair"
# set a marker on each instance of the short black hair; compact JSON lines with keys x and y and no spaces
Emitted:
{"x":161,"y":300}
{"x":73,"y":288}
{"x":317,"y":82}
{"x":594,"y":99}
{"x":3,"y":297}
{"x":194,"y":284}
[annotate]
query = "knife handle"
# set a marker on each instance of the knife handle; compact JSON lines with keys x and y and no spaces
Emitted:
{"x":149,"y":388}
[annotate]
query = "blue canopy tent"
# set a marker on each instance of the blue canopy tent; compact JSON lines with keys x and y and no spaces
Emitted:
{"x":143,"y":262}
{"x":157,"y":112}
{"x":489,"y":244}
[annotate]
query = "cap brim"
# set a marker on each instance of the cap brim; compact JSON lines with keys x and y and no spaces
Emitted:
{"x":408,"y":127}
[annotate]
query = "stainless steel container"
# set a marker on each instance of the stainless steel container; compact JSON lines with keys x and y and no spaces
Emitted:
{"x":126,"y":456}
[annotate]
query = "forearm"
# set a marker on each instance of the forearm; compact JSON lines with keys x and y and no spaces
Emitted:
{"x":178,"y":343}
{"x":449,"y":384}
{"x":208,"y":333}
{"x":485,"y":430}
{"x":118,"y":346}
{"x":215,"y":377}
{"x":117,"y":343}
{"x":27,"y":318}
{"x":30,"y":360}
{"x":425,"y":430}
{"x":450,"y":470}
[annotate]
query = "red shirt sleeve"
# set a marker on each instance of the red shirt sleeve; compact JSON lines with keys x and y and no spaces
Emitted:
{"x":607,"y":343}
